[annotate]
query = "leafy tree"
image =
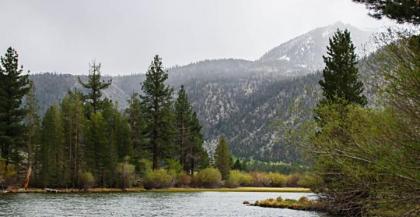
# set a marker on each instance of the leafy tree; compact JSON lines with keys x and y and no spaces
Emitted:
{"x":52,"y":149}
{"x":158,"y":111}
{"x":223,"y":158}
{"x":137,"y":126}
{"x":367,"y":159}
{"x":399,"y":10}
{"x":95,"y":86}
{"x":13,"y":87}
{"x":340,"y":75}
{"x":73,"y":123}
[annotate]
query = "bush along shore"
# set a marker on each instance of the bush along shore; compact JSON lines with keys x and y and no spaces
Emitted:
{"x":208,"y":179}
{"x":167,"y":190}
{"x":302,"y":204}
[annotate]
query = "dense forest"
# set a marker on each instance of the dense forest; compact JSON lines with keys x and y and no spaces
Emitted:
{"x":86,"y":141}
{"x":87,"y":137}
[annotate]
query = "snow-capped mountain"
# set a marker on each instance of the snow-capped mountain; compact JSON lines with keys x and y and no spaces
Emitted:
{"x":304,"y":53}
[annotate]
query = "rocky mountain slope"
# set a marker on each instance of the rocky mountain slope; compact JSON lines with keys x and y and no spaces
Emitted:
{"x":240,"y":99}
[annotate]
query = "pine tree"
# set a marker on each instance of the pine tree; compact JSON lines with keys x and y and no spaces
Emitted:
{"x":136,"y":122}
{"x":183,"y":112}
{"x":223,"y":158}
{"x":158,"y":111}
{"x":52,"y":149}
{"x":95,"y":86}
{"x":99,"y":151}
{"x":237,"y":165}
{"x":32,"y":135}
{"x":13,"y":87}
{"x":340,"y":73}
{"x":121,"y":137}
{"x":399,"y":10}
{"x":73,"y":122}
{"x":196,"y":156}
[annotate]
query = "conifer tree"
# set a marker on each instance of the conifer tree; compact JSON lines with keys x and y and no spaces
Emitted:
{"x":33,"y":132}
{"x":13,"y":87}
{"x":95,"y":86}
{"x":223,"y":158}
{"x":183,"y":112}
{"x":52,"y":149}
{"x":196,"y":156}
{"x":340,"y":75}
{"x":136,"y":122}
{"x":73,"y":122}
{"x":99,"y":150}
{"x":237,"y":165}
{"x":399,"y":10}
{"x":157,"y":99}
{"x":121,"y":137}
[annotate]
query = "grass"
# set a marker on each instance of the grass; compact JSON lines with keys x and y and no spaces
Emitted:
{"x":302,"y":204}
{"x":112,"y":190}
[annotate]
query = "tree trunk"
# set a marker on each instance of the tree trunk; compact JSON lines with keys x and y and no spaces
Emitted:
{"x":27,"y":178}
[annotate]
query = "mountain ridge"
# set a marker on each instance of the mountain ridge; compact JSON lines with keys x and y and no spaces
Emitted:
{"x":233,"y":97}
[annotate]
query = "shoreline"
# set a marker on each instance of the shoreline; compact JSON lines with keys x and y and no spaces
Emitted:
{"x":164,"y":190}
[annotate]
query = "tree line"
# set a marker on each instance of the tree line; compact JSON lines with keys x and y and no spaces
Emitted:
{"x":86,"y":138}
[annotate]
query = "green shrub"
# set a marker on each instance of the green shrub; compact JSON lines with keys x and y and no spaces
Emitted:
{"x":143,"y":166}
{"x":157,"y":179}
{"x":308,"y":181}
{"x":174,"y":167}
{"x":209,"y":177}
{"x":87,"y":180}
{"x":238,"y":178}
{"x":292,"y":180}
{"x":277,"y":179}
{"x":260,"y":179}
{"x":7,"y":175}
{"x":126,"y":174}
{"x":183,"y":180}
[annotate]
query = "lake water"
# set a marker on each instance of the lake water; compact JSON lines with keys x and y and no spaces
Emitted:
{"x":148,"y":204}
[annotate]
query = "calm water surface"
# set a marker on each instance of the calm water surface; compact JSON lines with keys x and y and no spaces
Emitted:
{"x":148,"y":204}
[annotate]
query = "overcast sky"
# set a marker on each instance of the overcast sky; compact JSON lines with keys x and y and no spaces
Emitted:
{"x":124,"y":35}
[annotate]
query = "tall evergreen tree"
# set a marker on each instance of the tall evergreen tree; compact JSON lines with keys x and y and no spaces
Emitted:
{"x":32,"y":135}
{"x":223,"y":158}
{"x":14,"y":85}
{"x":340,"y":74}
{"x":137,"y":123}
{"x":183,"y":112}
{"x":196,"y":156}
{"x":95,"y":86}
{"x":121,"y":137}
{"x":52,"y":149}
{"x":157,"y":98}
{"x":73,"y":122}
{"x":99,"y":150}
{"x":189,"y":139}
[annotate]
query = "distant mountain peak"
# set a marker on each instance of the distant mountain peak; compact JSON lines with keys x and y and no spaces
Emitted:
{"x":305,"y":52}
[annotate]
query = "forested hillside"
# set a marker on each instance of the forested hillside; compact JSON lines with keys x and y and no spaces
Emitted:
{"x":243,"y":100}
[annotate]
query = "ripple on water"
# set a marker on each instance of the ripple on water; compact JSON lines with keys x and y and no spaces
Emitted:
{"x":148,"y":204}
